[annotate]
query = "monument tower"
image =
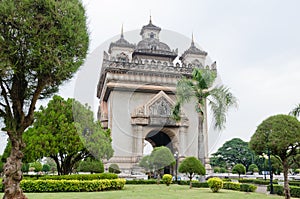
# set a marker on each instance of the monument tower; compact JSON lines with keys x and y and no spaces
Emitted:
{"x":136,"y":92}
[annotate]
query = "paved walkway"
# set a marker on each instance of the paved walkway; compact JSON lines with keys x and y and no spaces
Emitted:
{"x":261,"y":189}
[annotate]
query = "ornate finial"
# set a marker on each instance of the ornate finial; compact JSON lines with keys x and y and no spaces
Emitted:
{"x":122,"y":34}
{"x":192,"y":44}
{"x":150,"y":21}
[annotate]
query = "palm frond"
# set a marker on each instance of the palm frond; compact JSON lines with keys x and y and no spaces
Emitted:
{"x":184,"y":92}
{"x":220,"y":100}
{"x":296,"y":111}
{"x":204,"y":77}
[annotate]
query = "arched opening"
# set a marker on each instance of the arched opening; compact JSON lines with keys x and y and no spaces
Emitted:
{"x":157,"y":139}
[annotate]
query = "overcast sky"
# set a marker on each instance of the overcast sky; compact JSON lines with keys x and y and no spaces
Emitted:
{"x":256,"y":45}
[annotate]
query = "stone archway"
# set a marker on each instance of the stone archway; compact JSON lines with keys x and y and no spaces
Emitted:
{"x":159,"y":138}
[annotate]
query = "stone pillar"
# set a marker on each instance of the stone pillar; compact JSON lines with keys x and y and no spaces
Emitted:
{"x":137,"y":147}
{"x":182,"y":141}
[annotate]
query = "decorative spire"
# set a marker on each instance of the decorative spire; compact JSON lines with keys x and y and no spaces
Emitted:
{"x":122,"y":34}
{"x":192,"y":44}
{"x":150,"y":21}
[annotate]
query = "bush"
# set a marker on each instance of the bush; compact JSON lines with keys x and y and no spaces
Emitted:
{"x":294,"y":183}
{"x":295,"y":191}
{"x":46,"y":168}
{"x":253,"y":168}
{"x":215,"y":184}
{"x":71,"y":185}
{"x":248,"y":187}
{"x":81,"y":177}
{"x":217,"y":169}
{"x":114,"y":168}
{"x":92,"y":166}
{"x":231,"y":186}
{"x":141,"y":181}
{"x":200,"y":184}
{"x":278,"y":189}
{"x":223,"y":170}
{"x":167,"y":179}
{"x":257,"y":181}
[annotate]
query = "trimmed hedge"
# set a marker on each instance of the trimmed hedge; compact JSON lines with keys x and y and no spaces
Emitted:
{"x":239,"y":186}
{"x":231,"y":186}
{"x":248,"y":187}
{"x":278,"y":189}
{"x":141,"y":181}
{"x":294,"y":183}
{"x":200,"y":184}
{"x":72,"y":185}
{"x":100,"y":176}
{"x":257,"y":181}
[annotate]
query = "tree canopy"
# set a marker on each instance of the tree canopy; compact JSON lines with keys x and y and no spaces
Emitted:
{"x":42,"y":44}
{"x":233,"y":152}
{"x":239,"y":169}
{"x":161,"y":157}
{"x":280,"y":136}
{"x":191,"y":166}
{"x":55,"y":134}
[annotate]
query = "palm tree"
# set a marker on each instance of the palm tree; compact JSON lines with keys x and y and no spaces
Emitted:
{"x":201,"y":88}
{"x":296,"y":111}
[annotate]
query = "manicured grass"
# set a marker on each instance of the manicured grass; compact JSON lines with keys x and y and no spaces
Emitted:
{"x":154,"y":191}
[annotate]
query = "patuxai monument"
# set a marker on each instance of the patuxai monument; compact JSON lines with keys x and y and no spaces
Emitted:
{"x":136,"y":92}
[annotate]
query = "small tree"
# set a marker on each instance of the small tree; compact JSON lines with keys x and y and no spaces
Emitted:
{"x":253,"y":168}
{"x":114,"y":168}
{"x":46,"y":168}
{"x":160,"y":158}
{"x":37,"y":166}
{"x":279,"y":135}
{"x":146,"y":163}
{"x":239,"y":169}
{"x":191,"y":166}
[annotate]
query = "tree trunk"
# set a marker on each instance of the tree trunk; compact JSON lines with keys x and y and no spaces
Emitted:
{"x":190,"y":177}
{"x":201,"y":147}
{"x":286,"y":180}
{"x":12,"y":171}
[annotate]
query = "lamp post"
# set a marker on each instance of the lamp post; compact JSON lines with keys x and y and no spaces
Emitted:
{"x":271,"y":173}
{"x":176,"y":165}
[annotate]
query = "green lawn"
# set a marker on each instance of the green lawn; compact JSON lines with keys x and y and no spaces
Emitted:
{"x":154,"y":191}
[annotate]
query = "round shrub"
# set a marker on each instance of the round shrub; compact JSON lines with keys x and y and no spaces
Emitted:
{"x":215,"y":184}
{"x":114,"y":168}
{"x":167,"y":179}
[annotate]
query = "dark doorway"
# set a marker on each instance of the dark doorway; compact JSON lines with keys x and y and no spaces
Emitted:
{"x":159,"y":138}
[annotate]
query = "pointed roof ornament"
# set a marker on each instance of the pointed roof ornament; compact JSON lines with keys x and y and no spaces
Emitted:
{"x":122,"y":33}
{"x":150,"y":21}
{"x":192,"y":44}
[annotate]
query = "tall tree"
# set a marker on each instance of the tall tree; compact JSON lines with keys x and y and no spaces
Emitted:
{"x":235,"y":151}
{"x":280,"y":136}
{"x":57,"y":135}
{"x":296,"y":111}
{"x":201,"y":88}
{"x":191,"y":166}
{"x":42,"y":44}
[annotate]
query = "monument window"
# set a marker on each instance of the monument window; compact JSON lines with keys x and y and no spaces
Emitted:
{"x":152,"y":35}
